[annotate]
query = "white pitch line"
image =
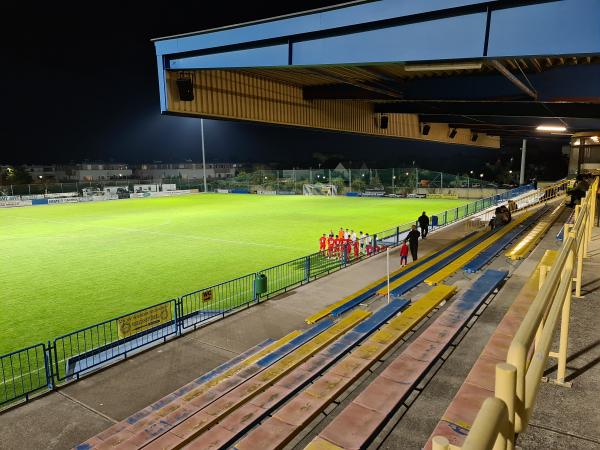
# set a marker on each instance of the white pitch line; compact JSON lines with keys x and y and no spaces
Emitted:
{"x":160,"y":233}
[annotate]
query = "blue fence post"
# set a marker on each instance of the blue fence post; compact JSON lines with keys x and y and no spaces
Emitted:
{"x":307,"y":269}
{"x":445,"y":217}
{"x":48,"y":366}
{"x":177,"y":316}
{"x":397,"y":235}
{"x":254,"y":293}
{"x":374,"y":242}
{"x":456,"y":215}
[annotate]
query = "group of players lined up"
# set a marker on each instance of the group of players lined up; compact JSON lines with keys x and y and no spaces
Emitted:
{"x":347,"y":243}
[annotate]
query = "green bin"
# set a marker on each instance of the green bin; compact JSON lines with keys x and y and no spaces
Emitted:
{"x":260,"y":284}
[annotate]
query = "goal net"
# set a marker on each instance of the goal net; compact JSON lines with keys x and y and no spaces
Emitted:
{"x":319,"y":189}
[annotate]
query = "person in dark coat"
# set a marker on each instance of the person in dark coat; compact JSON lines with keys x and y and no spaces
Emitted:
{"x":413,"y":241}
{"x":423,"y":221}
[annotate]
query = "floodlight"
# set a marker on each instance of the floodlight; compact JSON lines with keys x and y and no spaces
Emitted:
{"x":550,"y":128}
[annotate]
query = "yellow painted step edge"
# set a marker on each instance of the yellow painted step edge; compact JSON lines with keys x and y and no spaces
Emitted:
{"x":428,"y":264}
{"x":455,"y":265}
{"x":433,"y":298}
{"x":326,"y":311}
{"x":202,"y":388}
{"x":524,"y":246}
{"x":284,"y":366}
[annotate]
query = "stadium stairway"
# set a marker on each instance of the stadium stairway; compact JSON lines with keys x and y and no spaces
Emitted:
{"x":479,"y":383}
{"x":310,"y":400}
{"x":204,"y":382}
{"x":525,"y":245}
{"x":189,"y":411}
{"x":463,"y":259}
{"x":412,"y":268}
{"x":356,"y":425}
{"x":494,"y":249}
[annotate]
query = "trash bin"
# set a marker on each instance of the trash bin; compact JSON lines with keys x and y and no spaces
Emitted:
{"x":260,"y":284}
{"x":434,"y":221}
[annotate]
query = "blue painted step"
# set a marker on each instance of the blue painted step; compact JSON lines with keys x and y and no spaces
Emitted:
{"x":486,"y":256}
{"x":335,"y":351}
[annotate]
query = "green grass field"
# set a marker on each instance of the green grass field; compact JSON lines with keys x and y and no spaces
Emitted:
{"x":64,"y":267}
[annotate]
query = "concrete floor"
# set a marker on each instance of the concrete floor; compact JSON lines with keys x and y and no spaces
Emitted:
{"x":564,"y":418}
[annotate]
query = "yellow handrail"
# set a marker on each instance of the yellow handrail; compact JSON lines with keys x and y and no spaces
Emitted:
{"x":519,"y":378}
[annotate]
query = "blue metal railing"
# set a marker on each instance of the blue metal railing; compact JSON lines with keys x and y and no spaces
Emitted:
{"x":75,"y":354}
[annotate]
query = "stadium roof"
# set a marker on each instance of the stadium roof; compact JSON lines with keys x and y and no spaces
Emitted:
{"x":487,"y":68}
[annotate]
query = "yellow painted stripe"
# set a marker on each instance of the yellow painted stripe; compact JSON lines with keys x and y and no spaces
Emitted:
{"x":321,"y":444}
{"x":429,"y":264}
{"x":455,"y":265}
{"x":384,"y":339}
{"x":279,"y":369}
{"x":525,"y":245}
{"x":326,"y":311}
{"x":201,"y":389}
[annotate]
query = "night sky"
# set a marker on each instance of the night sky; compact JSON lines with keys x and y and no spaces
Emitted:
{"x":66,"y":72}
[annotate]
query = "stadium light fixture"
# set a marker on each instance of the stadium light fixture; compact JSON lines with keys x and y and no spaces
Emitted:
{"x":551,"y":128}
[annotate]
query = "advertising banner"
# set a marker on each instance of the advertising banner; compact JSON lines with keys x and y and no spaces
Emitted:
{"x":144,"y":320}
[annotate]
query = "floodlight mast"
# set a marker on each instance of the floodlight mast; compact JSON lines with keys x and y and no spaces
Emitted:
{"x":523,"y":154}
{"x":203,"y":156}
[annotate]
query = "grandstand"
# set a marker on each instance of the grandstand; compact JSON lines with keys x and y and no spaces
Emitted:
{"x":489,"y":340}
{"x":305,"y":373}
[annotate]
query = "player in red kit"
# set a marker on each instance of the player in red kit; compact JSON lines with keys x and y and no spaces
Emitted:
{"x":330,"y":245}
{"x":356,"y":246}
{"x":336,"y":245}
{"x":322,"y":243}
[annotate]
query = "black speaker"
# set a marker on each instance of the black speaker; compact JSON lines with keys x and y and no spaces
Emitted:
{"x":474,"y":137}
{"x":186,"y":89}
{"x":452,"y":133}
{"x":425,"y":129}
{"x":383,"y":122}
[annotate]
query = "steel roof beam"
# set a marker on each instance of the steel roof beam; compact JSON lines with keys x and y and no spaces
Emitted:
{"x":513,"y":79}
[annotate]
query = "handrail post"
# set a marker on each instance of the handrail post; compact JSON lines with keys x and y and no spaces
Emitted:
{"x":506,"y":380}
{"x":517,"y":356}
{"x":542,"y":277}
{"x":440,"y":443}
{"x":564,"y":330}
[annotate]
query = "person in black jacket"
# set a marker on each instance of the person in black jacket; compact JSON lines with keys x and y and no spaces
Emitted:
{"x":413,"y":241}
{"x":423,"y":221}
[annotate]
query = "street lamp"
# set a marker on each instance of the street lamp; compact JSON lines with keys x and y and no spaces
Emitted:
{"x":471,"y":172}
{"x":40,"y":177}
{"x":480,"y":175}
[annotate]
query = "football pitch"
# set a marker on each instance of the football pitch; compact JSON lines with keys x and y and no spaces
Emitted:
{"x":64,"y":267}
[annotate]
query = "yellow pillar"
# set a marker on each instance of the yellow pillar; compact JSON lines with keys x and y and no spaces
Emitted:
{"x":505,"y":389}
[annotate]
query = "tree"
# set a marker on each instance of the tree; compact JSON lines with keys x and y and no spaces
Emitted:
{"x":17,"y":175}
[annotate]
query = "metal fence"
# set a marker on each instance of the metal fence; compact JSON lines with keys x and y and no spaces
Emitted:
{"x":78,"y":353}
{"x":392,"y":181}
{"x":215,"y":301}
{"x":23,"y":372}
